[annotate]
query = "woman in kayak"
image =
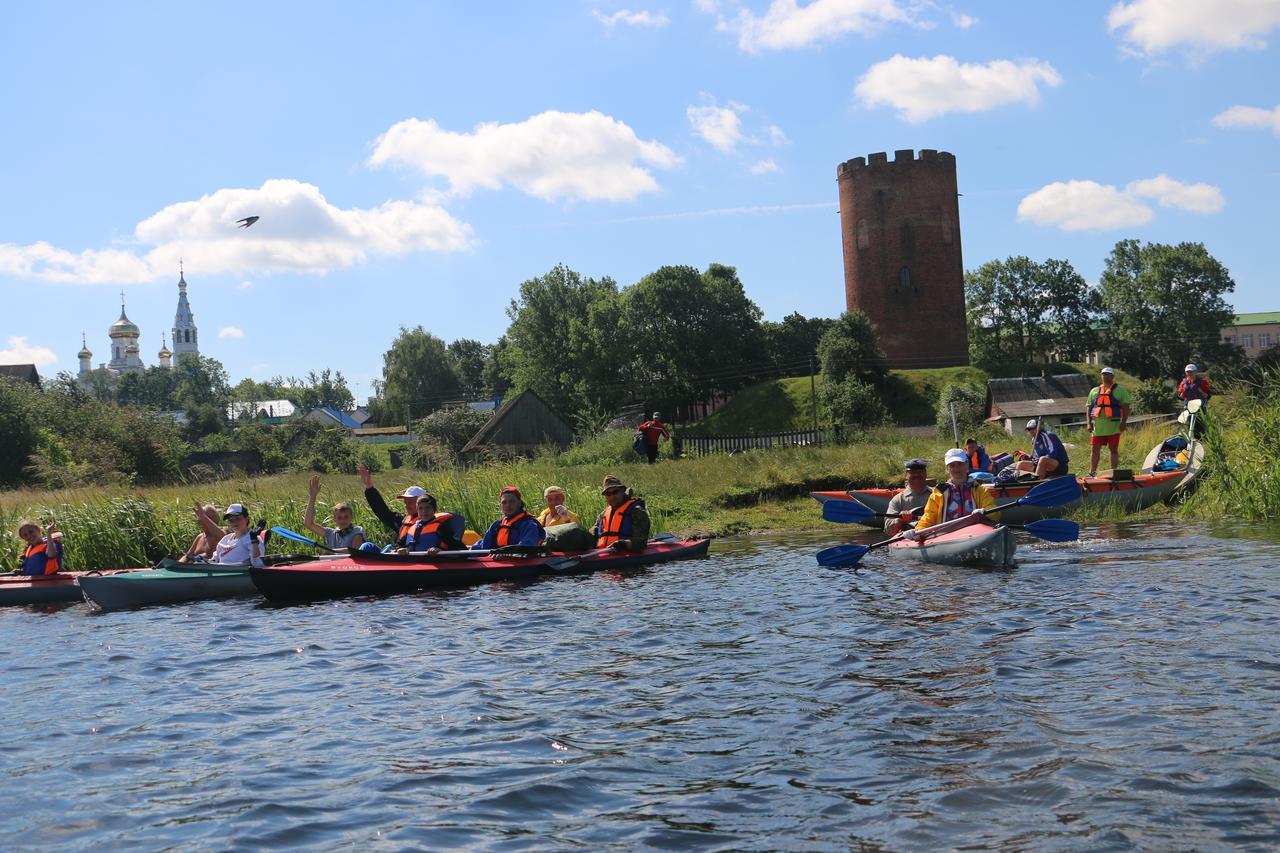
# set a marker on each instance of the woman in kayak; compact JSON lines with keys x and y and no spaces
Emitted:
{"x":241,"y":545}
{"x":556,"y":512}
{"x":955,"y":498}
{"x":347,"y":534}
{"x":515,"y":527}
{"x":434,"y":531}
{"x":43,"y":554}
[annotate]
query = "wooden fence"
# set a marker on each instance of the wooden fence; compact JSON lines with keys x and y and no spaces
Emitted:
{"x":696,"y":445}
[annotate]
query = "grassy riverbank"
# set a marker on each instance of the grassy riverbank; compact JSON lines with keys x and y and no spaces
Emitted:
{"x":716,"y":495}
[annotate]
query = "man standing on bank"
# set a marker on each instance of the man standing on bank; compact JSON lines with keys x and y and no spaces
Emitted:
{"x":906,"y":505}
{"x":1106,"y":415}
{"x":654,"y":430}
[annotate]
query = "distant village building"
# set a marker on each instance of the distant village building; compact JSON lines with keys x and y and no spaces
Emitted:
{"x":124,"y":335}
{"x":1254,"y":333}
{"x":21,"y":372}
{"x":276,"y":410}
{"x":520,"y":427}
{"x":1053,"y":400}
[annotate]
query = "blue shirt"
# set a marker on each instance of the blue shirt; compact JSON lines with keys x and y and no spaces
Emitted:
{"x":526,"y":531}
{"x":1048,"y":444}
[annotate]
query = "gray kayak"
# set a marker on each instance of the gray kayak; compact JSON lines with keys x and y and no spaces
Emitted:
{"x":973,"y":545}
{"x":165,"y":586}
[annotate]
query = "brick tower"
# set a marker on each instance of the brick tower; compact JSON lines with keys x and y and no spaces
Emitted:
{"x":900,"y":224}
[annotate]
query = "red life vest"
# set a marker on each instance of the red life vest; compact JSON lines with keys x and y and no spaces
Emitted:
{"x":428,"y":526}
{"x":615,"y":524}
{"x":1104,"y":405}
{"x":503,"y":536}
{"x":958,"y":501}
{"x":406,"y":529}
{"x":51,"y":565}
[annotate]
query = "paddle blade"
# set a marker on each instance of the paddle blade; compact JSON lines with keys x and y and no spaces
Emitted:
{"x":296,"y":537}
{"x":1193,"y":406}
{"x":841,"y":555}
{"x":1053,"y":529}
{"x":1055,"y":492}
{"x":847,"y":512}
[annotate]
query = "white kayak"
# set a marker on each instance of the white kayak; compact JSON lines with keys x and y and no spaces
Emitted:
{"x":974,"y":545}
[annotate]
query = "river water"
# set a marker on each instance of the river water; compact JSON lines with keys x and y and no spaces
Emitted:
{"x":1120,"y":693}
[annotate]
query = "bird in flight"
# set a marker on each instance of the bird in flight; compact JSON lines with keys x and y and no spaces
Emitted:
{"x":247,"y":221}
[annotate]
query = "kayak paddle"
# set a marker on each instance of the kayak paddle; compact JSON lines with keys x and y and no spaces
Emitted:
{"x":560,"y":564}
{"x":1051,"y":529}
{"x":852,"y":511}
{"x":286,"y":533}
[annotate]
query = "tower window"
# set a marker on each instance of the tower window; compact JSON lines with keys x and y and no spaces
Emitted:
{"x":908,"y":243}
{"x":864,"y":236}
{"x":904,"y":281}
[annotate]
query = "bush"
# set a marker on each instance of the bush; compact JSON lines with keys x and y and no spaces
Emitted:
{"x":611,"y":447}
{"x":1152,"y":397}
{"x":452,"y":428}
{"x":430,"y":454}
{"x":970,"y":406}
{"x":852,"y":402}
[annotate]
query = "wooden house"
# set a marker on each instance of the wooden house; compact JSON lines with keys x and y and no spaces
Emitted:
{"x":523,"y":424}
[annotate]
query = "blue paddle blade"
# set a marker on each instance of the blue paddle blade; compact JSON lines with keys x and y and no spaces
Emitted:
{"x":847,"y":512}
{"x":1055,"y":492}
{"x":841,"y":555}
{"x":1053,"y":529}
{"x":296,"y":537}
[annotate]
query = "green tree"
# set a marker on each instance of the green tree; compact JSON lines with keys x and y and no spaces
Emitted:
{"x":970,"y":408}
{"x":325,"y":388}
{"x":1024,"y":312}
{"x":561,"y":341}
{"x":471,"y":358}
{"x":418,"y":376}
{"x":1165,"y":306}
{"x":852,"y":402}
{"x":153,"y":387}
{"x":22,"y":414}
{"x":849,"y":348}
{"x":793,"y":344}
{"x":452,"y":427}
{"x":201,"y":381}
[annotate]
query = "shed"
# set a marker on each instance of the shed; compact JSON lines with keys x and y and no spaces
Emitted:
{"x":521,"y":426}
{"x":1051,"y":399}
{"x":21,"y":372}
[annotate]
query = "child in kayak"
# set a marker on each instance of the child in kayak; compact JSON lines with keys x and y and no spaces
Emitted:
{"x":433,"y":531}
{"x":556,"y":512}
{"x":955,"y":498}
{"x":43,"y":554}
{"x":347,"y":534}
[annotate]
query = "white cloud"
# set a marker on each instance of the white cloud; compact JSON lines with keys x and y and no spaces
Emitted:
{"x":764,"y":167}
{"x":1194,"y":198}
{"x":21,"y":352}
{"x":230,"y":332}
{"x":245,"y":285}
{"x":776,"y":136}
{"x":1202,"y":26}
{"x":642,"y":18}
{"x":551,"y":155}
{"x":920,"y":89}
{"x":786,"y":24}
{"x":299,"y":231}
{"x":962,"y":21}
{"x":1250,"y":117}
{"x":719,"y":126}
{"x":1090,"y":206}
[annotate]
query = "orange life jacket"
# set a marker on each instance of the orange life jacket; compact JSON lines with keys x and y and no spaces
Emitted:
{"x":1104,"y":405}
{"x":51,"y":565}
{"x":615,"y":524}
{"x":973,"y":462}
{"x":428,"y":526}
{"x":406,"y":528}
{"x":503,"y":536}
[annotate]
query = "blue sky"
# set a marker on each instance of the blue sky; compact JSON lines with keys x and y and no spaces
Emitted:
{"x":414,"y":162}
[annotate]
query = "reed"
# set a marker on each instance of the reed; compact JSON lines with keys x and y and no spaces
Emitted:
{"x":1241,"y":476}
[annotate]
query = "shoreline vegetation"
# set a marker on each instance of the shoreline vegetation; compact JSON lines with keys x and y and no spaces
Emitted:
{"x":718,"y":495}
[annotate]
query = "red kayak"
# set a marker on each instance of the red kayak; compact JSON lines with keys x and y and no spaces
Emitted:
{"x":56,"y":588}
{"x":364,"y":573}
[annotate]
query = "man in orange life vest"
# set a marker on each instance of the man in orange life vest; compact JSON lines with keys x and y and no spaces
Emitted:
{"x":654,"y":430}
{"x":515,"y":527}
{"x":43,"y":554}
{"x":624,"y":524}
{"x":1106,"y":414}
{"x":401,"y":525}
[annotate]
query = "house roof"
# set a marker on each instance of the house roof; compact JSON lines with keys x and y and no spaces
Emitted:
{"x":343,"y":419}
{"x":1033,"y":396}
{"x":25,"y":372}
{"x":1257,"y":319}
{"x":1036,"y":408}
{"x":490,"y":426}
{"x":392,"y":430}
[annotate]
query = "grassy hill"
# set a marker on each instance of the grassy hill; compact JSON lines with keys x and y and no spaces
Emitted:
{"x":778,"y":405}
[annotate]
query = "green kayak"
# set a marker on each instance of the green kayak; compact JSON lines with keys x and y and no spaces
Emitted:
{"x":190,"y":582}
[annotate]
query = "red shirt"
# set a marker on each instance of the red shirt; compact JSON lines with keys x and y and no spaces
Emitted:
{"x":653,"y":429}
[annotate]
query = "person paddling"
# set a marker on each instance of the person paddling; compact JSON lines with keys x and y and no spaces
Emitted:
{"x":514,"y":527}
{"x":434,"y":531}
{"x":400,"y":524}
{"x":624,"y":525}
{"x":43,"y":554}
{"x":955,"y":498}
{"x":1106,"y":414}
{"x":905,"y":506}
{"x":346,"y":533}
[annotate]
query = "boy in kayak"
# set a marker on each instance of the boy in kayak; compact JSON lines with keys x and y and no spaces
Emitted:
{"x":905,"y":506}
{"x":977,"y":456}
{"x":347,"y":534}
{"x":43,"y":554}
{"x":434,"y":531}
{"x":1048,"y":456}
{"x":955,"y":498}
{"x":400,"y":524}
{"x":515,"y":527}
{"x":624,"y":524}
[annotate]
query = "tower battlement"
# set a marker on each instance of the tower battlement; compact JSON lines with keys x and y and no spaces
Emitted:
{"x":900,"y":227}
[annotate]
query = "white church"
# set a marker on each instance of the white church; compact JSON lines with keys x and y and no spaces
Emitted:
{"x":124,"y":336}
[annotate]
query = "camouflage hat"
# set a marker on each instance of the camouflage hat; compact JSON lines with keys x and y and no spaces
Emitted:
{"x":610,"y":482}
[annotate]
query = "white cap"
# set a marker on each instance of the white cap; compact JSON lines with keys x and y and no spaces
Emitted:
{"x":235,"y":509}
{"x":412,"y":492}
{"x":1191,"y":368}
{"x":1033,"y":423}
{"x":655,"y":414}
{"x":955,"y":454}
{"x":1108,"y":370}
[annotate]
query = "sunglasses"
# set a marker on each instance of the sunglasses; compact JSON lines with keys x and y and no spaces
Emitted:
{"x":613,"y":491}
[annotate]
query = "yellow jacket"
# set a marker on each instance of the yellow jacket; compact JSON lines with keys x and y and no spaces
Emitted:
{"x":933,"y":510}
{"x":546,"y":520}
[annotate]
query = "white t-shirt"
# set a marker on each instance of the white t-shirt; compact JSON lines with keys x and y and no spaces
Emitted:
{"x":236,"y":550}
